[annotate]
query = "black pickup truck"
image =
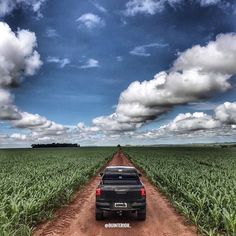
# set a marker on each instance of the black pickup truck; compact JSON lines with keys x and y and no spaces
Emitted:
{"x":120,"y":189}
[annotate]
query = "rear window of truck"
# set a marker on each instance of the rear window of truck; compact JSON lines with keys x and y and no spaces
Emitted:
{"x":120,"y":179}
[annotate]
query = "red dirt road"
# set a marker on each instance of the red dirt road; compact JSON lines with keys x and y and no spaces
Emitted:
{"x":78,"y":218}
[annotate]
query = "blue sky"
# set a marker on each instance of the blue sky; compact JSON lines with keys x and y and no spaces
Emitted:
{"x":91,"y":51}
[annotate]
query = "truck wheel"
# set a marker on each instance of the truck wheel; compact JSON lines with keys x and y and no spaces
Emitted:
{"x":99,"y":214}
{"x":141,"y":215}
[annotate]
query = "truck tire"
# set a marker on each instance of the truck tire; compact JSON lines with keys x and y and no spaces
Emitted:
{"x":141,"y":214}
{"x":99,"y":214}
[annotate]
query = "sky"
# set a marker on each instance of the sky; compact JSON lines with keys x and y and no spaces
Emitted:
{"x":107,"y":72}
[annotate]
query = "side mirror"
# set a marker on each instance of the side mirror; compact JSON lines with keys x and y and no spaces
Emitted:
{"x":101,"y":174}
{"x":139,"y":174}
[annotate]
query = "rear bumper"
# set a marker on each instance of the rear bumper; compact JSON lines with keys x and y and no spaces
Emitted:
{"x":131,"y":206}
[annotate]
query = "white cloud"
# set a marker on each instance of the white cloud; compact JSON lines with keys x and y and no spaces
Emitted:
{"x":217,"y":56}
{"x":191,"y":79}
{"x":5,"y":97}
{"x":61,"y":62}
{"x":9,"y":112}
{"x":192,"y":122}
{"x":17,"y":55}
{"x":29,"y":121}
{"x":112,"y":123}
{"x":148,"y":99}
{"x":226,"y":113}
{"x":44,"y":139}
{"x":17,"y":136}
{"x":85,"y":129}
{"x":90,"y":63}
{"x":53,"y":130}
{"x":36,"y":123}
{"x":18,"y":59}
{"x":32,"y":63}
{"x":142,"y":50}
{"x":39,"y":126}
{"x":191,"y":127}
{"x":7,"y":6}
{"x":185,"y":127}
{"x":151,"y":7}
{"x":134,"y":7}
{"x":99,"y":7}
{"x":90,"y":21}
{"x":209,"y":2}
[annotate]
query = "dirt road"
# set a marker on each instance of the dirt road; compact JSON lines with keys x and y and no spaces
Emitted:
{"x":78,"y":218}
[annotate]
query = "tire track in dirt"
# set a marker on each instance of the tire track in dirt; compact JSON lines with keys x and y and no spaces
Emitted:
{"x":78,"y":217}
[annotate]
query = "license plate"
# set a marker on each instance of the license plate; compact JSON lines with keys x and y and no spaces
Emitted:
{"x":120,"y":204}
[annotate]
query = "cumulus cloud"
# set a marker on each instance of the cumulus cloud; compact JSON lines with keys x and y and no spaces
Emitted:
{"x":142,"y":50}
{"x":17,"y":136}
{"x":197,"y":74}
{"x":189,"y":127}
{"x":90,"y":21}
{"x":217,"y":56}
{"x":5,"y":97}
{"x":226,"y":113}
{"x":9,"y":112}
{"x":192,"y":122}
{"x":18,"y":56}
{"x":19,"y":59}
{"x":7,"y":6}
{"x":90,"y":63}
{"x":39,"y":125}
{"x":83,"y":128}
{"x":61,"y":62}
{"x":151,"y":7}
{"x":29,"y":121}
{"x":196,"y":125}
{"x":113,"y":122}
{"x":145,"y":101}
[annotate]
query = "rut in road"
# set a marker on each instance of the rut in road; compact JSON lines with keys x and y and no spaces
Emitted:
{"x":78,"y":218}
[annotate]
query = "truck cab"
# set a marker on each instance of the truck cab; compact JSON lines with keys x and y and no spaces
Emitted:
{"x":119,"y":190}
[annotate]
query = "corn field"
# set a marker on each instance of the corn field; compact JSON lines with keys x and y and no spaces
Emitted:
{"x":199,"y":181}
{"x":35,"y":182}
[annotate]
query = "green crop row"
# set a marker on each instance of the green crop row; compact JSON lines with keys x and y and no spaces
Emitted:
{"x":33,"y":182}
{"x":199,"y":181}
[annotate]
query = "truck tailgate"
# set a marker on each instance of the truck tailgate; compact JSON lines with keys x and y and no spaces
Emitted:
{"x":121,"y":193}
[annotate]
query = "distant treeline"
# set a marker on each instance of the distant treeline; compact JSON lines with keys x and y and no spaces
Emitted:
{"x":52,"y":145}
{"x":228,"y":146}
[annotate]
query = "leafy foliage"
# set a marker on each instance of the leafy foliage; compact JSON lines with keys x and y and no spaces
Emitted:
{"x":199,"y":181}
{"x":34,"y":182}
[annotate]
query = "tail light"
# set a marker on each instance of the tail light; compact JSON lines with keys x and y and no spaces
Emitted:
{"x":143,"y":192}
{"x":98,"y":192}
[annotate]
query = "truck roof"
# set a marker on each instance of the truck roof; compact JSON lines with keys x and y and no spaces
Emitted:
{"x":120,"y":169}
